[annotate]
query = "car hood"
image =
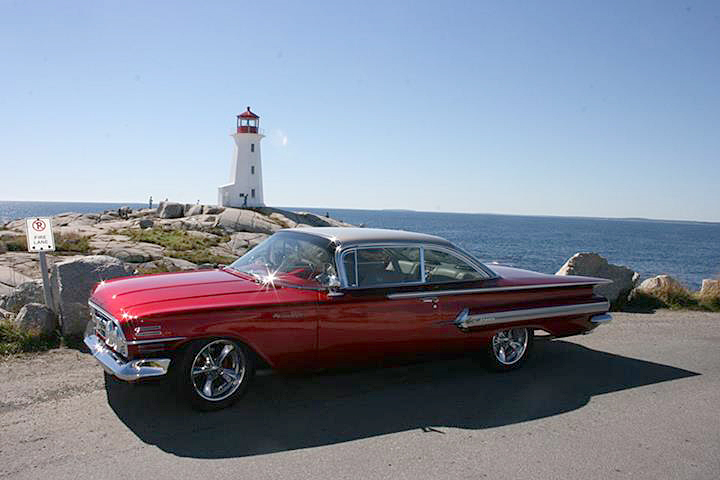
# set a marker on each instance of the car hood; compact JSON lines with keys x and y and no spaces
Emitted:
{"x":165,"y":293}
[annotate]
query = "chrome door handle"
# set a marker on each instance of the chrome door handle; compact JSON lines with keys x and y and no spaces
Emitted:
{"x":430,"y":299}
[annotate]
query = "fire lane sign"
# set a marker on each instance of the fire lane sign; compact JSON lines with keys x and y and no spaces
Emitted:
{"x":39,"y":235}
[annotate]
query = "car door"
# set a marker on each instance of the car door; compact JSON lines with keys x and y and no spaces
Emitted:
{"x":458,"y":286}
{"x":364,"y":322}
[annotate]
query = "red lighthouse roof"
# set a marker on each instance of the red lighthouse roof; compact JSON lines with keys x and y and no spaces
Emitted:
{"x":247,"y":114}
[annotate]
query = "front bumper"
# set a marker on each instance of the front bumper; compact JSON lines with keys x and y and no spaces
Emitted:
{"x":128,"y":371}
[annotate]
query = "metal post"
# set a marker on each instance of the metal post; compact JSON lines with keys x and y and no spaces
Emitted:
{"x":46,"y":281}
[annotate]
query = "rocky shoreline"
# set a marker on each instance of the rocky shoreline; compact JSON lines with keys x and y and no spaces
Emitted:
{"x":173,"y":237}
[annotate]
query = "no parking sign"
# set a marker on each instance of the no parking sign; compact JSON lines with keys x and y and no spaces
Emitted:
{"x":39,"y":235}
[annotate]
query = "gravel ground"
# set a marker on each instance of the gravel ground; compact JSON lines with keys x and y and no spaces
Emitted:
{"x":636,"y":399}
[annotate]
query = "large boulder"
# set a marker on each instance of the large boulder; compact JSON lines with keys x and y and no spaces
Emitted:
{"x":593,"y":265}
{"x":12,"y":277}
{"x":171,"y":210}
{"x":710,"y":288}
{"x":23,"y":294}
{"x":36,"y":319}
{"x":213,"y":209}
{"x":663,"y":287}
{"x":241,"y":220}
{"x":145,"y":223}
{"x":75,"y":280}
{"x":194,"y":210}
{"x":241,"y":242}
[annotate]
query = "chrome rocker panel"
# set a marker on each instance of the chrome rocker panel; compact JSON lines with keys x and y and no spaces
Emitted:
{"x":127,"y":371}
{"x":467,"y":320}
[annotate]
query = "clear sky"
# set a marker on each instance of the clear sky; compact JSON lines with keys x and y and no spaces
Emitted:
{"x":548,"y":108}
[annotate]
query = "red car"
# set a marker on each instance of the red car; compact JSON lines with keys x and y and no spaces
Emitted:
{"x":312,"y":298}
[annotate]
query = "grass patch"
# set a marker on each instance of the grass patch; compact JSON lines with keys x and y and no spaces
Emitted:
{"x":15,"y":244}
{"x":13,"y":340}
{"x":176,"y":240}
{"x":72,"y":242}
{"x":201,"y":256}
{"x":674,"y":300}
{"x":68,"y":242}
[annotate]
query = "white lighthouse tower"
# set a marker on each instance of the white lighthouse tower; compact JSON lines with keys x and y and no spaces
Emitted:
{"x":245,"y":188}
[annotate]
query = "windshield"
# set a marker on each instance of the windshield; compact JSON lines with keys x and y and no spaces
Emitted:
{"x":291,"y":258}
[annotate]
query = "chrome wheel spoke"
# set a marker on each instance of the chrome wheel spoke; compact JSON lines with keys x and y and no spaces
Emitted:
{"x":228,"y":375}
{"x":207,"y":388}
{"x":223,"y":354}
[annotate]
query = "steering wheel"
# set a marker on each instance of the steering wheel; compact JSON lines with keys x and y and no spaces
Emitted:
{"x":308,"y":268}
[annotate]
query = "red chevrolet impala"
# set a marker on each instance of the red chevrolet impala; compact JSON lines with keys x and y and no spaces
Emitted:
{"x":312,"y":298}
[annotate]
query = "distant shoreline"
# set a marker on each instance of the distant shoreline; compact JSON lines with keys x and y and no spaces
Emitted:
{"x":388,"y":210}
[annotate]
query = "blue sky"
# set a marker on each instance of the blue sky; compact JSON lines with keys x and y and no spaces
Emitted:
{"x":608,"y":109}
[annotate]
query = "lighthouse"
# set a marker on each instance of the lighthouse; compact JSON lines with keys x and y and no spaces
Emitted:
{"x":245,"y":188}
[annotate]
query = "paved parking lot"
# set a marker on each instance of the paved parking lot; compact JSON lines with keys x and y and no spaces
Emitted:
{"x":639,"y":398}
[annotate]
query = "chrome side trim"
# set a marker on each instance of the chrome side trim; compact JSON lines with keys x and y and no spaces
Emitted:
{"x":127,"y":371}
{"x":487,"y":290}
{"x":155,"y":340}
{"x":467,"y":320}
{"x":148,"y":330}
{"x":601,"y":319}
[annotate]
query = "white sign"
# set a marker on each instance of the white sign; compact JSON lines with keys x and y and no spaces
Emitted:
{"x":39,"y":235}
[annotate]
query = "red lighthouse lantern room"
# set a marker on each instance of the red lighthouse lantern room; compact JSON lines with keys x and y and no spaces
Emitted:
{"x":247,"y":122}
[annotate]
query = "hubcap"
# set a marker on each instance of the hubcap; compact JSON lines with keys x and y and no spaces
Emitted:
{"x":218,"y":370}
{"x":510,"y":345}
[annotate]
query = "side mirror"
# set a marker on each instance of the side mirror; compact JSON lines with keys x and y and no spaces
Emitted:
{"x":329,"y":281}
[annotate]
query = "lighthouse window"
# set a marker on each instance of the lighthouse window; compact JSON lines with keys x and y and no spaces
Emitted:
{"x":252,"y":147}
{"x":252,"y":169}
{"x":252,"y":193}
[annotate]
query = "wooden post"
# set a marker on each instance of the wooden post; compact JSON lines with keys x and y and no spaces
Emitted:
{"x":46,"y":281}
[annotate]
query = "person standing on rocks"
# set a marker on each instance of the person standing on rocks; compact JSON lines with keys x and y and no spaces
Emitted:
{"x":150,"y":202}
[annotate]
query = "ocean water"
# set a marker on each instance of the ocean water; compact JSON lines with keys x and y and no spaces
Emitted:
{"x":686,"y":250}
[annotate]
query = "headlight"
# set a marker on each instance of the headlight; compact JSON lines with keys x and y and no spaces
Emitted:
{"x":121,"y":344}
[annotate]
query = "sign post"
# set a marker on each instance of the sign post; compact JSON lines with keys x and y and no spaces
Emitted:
{"x":40,"y":239}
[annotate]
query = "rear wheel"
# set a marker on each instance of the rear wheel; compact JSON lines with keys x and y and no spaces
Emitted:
{"x":214,"y":374}
{"x":509,"y":349}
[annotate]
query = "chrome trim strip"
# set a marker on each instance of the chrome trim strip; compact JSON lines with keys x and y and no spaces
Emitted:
{"x":601,"y":319}
{"x":486,"y":290}
{"x":156,"y":340}
{"x":467,"y":320}
{"x":127,"y":371}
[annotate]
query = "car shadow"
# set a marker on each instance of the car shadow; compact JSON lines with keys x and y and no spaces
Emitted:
{"x":282,"y":413}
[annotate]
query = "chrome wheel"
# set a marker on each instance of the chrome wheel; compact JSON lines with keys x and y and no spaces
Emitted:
{"x":218,"y":370}
{"x":509,"y":346}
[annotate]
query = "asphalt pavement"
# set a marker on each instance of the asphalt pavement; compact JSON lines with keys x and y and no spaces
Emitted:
{"x":639,"y":398}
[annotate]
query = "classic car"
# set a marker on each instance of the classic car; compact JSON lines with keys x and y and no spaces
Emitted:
{"x":313,"y":298}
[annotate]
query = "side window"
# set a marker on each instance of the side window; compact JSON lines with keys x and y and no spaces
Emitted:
{"x":442,"y":267}
{"x":348,"y":260}
{"x":252,"y":147}
{"x":387,"y":266}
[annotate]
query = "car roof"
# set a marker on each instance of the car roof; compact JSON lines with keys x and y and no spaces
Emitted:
{"x":355,"y":236}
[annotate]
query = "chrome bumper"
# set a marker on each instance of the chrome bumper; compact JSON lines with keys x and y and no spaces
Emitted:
{"x":128,"y":371}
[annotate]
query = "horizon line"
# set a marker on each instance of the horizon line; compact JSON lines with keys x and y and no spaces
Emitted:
{"x":646,"y":219}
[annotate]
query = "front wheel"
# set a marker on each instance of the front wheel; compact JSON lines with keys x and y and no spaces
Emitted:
{"x":509,"y":349}
{"x":214,"y":374}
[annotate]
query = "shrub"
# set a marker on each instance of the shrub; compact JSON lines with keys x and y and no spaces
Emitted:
{"x":13,"y":340}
